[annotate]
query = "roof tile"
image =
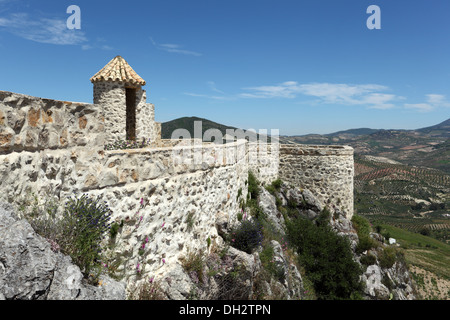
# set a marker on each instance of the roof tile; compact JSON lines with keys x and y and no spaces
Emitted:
{"x":118,"y":70}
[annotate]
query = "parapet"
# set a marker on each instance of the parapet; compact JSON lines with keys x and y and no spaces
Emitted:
{"x":327,"y":171}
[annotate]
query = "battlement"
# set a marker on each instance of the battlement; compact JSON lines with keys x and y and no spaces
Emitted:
{"x":57,"y":148}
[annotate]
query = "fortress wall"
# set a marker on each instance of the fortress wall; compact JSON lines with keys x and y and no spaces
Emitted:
{"x":327,"y":171}
{"x":263,"y":159}
{"x":31,"y":124}
{"x":179,"y":211}
{"x":186,"y":188}
{"x":56,"y":148}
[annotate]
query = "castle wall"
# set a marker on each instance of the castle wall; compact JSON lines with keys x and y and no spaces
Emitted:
{"x":56,"y":148}
{"x":30,"y":123}
{"x":263,"y":159}
{"x":185,"y":188}
{"x":327,"y":171}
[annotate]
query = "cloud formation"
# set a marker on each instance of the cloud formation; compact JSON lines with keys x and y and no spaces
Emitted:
{"x":44,"y":30}
{"x":370,"y":95}
{"x":433,"y":101}
{"x":174,"y":48}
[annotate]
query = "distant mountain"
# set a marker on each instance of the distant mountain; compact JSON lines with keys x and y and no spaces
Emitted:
{"x":426,"y":147}
{"x":355,"y":132}
{"x":188,"y":123}
{"x":442,"y":129}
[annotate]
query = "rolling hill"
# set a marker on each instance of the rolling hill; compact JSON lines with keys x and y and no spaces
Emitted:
{"x":188,"y":123}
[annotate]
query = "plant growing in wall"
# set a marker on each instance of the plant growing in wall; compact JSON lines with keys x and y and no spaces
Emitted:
{"x":87,"y":220}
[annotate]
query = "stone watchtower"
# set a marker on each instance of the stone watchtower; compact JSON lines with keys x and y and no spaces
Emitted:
{"x":118,"y":90}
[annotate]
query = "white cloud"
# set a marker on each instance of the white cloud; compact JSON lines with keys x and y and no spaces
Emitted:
{"x":437,"y":100}
{"x":44,"y":30}
{"x":212,"y":86}
{"x":174,"y":48}
{"x":433,"y":101}
{"x":329,"y":93}
{"x":421,"y":107}
{"x":207,"y":96}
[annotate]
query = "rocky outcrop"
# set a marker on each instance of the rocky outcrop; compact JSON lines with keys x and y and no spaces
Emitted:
{"x":30,"y":270}
{"x":393,"y":282}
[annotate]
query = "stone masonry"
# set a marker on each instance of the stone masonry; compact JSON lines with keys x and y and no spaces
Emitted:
{"x":171,"y":192}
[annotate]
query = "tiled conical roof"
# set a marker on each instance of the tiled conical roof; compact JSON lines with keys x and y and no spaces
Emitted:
{"x":118,"y":70}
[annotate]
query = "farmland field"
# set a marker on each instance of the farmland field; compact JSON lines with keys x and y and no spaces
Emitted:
{"x":413,"y":198}
{"x":411,"y":205}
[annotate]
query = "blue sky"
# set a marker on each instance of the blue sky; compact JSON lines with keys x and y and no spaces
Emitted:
{"x":308,"y":66}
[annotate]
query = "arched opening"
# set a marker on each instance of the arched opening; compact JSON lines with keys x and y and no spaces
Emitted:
{"x":131,"y":113}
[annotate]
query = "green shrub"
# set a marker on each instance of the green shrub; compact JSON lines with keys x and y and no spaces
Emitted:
{"x":368,"y":259}
{"x":326,"y":257}
{"x":115,"y":229}
{"x":194,"y":265}
{"x":277,"y":184}
{"x":247,"y":235}
{"x":361,"y":224}
{"x":267,"y":260}
{"x":274,"y":187}
{"x":363,"y":229}
{"x":253,"y":186}
{"x":365,"y":243}
{"x":388,"y":257}
{"x":86,"y":220}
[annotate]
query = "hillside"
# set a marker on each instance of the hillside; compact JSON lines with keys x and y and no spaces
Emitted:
{"x":426,"y":147}
{"x":413,"y":198}
{"x":441,"y":129}
{"x":188,"y":123}
{"x":411,"y":205}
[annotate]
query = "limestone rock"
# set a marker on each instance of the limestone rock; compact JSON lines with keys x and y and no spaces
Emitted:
{"x":30,"y":270}
{"x":291,"y":279}
{"x":374,"y":286}
{"x":267,"y":203}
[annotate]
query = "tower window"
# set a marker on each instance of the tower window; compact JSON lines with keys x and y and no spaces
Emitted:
{"x":131,"y":113}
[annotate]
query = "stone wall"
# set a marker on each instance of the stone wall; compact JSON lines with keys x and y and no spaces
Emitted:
{"x":111,"y":96}
{"x":31,"y":124}
{"x":179,"y":208}
{"x":264,"y":161}
{"x":56,"y":148}
{"x":185,"y":189}
{"x":327,"y":171}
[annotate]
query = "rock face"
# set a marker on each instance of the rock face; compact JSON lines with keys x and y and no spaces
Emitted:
{"x":380,"y":283}
{"x":30,"y":270}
